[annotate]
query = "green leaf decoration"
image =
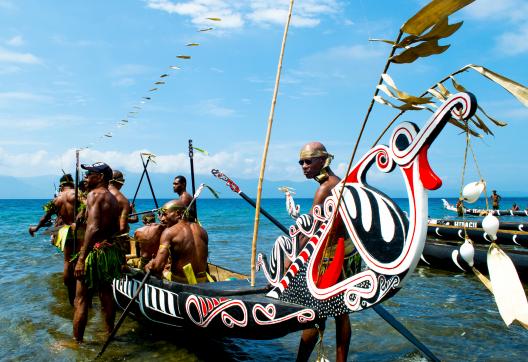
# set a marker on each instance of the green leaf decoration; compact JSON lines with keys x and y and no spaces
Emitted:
{"x":159,"y":82}
{"x":442,"y":89}
{"x":424,"y":49}
{"x":183,"y":56}
{"x":201,"y":150}
{"x":214,"y":19}
{"x":391,"y":42}
{"x":206,"y":29}
{"x":192,"y":44}
{"x":215,"y":193}
{"x":431,"y":14}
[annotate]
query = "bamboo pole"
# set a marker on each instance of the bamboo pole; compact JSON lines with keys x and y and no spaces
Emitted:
{"x":266,"y":146}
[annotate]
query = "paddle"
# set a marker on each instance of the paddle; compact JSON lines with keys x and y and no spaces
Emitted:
{"x":382,"y":312}
{"x":123,"y":315}
{"x":234,"y":187}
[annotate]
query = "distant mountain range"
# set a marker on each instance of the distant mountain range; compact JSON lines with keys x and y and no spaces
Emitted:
{"x":42,"y":187}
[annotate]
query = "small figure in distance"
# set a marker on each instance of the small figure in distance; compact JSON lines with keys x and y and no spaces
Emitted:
{"x":185,"y":241}
{"x":515,"y":207}
{"x":460,"y":207}
{"x":495,"y":199}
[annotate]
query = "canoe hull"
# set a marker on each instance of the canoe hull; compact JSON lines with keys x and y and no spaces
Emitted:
{"x":227,"y":309}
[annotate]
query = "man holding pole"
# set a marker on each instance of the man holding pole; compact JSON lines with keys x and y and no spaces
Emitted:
{"x":99,"y":260}
{"x":315,"y":163}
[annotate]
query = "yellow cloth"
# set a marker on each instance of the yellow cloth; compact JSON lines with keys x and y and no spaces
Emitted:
{"x":62,"y":237}
{"x":200,"y":278}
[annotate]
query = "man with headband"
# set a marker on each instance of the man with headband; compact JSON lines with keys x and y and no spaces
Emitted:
{"x":186,"y":242}
{"x":315,"y":162}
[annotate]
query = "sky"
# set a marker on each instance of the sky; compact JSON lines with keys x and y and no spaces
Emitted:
{"x":72,"y":71}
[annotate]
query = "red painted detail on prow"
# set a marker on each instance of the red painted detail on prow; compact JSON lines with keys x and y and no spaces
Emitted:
{"x":429,"y":179}
{"x":204,"y":307}
{"x":317,"y":261}
{"x":209,"y":305}
{"x":284,"y":284}
{"x":331,"y":274}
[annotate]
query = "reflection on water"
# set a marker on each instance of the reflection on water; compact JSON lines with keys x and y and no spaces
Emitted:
{"x":453,"y":314}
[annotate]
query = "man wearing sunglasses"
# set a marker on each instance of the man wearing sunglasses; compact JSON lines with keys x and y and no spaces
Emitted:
{"x":315,"y":162}
{"x":185,"y":241}
{"x":99,"y":260}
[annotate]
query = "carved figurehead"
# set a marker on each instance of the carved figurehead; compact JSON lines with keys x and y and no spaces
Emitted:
{"x":388,"y":242}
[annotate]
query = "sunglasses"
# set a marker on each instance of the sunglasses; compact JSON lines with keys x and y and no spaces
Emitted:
{"x":307,"y":161}
{"x":88,"y":173}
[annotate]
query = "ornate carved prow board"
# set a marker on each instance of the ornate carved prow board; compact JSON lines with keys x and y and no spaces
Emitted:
{"x":388,"y":242}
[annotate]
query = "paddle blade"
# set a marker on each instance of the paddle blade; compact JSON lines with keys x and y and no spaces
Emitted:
{"x":507,"y":288}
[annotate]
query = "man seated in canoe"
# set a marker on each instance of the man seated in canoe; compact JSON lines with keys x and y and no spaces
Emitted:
{"x":62,"y":206}
{"x":125,"y":208}
{"x":186,"y":242}
{"x":147,"y":241}
{"x":99,"y":260}
{"x":179,"y":186}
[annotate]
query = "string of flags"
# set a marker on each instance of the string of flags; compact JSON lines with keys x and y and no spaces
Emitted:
{"x":156,"y":86}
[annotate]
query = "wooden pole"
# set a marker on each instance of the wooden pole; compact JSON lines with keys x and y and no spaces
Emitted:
{"x":266,"y":146}
{"x":76,"y":201}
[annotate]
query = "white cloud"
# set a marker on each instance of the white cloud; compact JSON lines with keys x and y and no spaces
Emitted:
{"x":236,"y":13}
{"x":8,"y":98}
{"x":8,"y":56}
{"x":510,"y":12}
{"x":213,"y":107}
{"x":16,"y":41}
{"x":515,"y":42}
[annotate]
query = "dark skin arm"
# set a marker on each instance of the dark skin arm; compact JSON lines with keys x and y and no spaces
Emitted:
{"x":156,"y":265}
{"x":43,"y":220}
{"x":133,"y":219}
{"x":93,"y":206}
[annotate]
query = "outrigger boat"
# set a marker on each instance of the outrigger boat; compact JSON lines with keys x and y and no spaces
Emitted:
{"x":389,"y":244}
{"x":457,"y":230}
{"x":445,"y":255}
{"x":477,"y":223}
{"x":481,"y":212}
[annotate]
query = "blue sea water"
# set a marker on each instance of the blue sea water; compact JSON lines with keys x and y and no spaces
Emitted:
{"x":453,"y":314}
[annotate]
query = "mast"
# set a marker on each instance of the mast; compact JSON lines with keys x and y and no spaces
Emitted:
{"x":266,"y":145}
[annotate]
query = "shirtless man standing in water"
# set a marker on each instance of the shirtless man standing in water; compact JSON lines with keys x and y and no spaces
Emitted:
{"x":102,"y":223}
{"x":185,"y":241}
{"x":62,"y":206}
{"x":315,"y":163}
